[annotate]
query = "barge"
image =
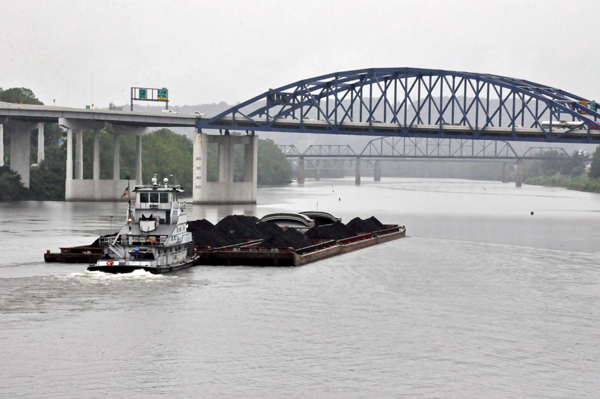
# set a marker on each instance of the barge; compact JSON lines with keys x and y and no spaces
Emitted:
{"x":80,"y":254}
{"x":251,"y":254}
{"x":164,"y":241}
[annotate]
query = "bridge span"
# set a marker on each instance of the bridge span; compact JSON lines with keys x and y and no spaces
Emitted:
{"x":392,"y":102}
{"x":413,"y":102}
{"x":319,"y":157}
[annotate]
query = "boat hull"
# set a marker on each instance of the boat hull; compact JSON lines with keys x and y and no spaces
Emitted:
{"x":123,"y":269}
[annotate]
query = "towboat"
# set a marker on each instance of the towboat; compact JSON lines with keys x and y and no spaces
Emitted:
{"x":154,"y":237}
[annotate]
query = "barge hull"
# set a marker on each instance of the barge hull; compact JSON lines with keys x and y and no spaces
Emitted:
{"x":251,"y":255}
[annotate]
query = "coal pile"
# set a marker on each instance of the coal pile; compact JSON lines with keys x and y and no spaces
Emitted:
{"x":234,"y":229}
{"x":289,"y":238}
{"x":238,"y":229}
{"x":336,"y":231}
{"x":360,"y":226}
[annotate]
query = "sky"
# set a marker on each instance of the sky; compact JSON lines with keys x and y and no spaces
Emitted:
{"x":80,"y":52}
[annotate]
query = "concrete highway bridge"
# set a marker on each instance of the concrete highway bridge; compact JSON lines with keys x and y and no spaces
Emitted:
{"x":391,"y":102}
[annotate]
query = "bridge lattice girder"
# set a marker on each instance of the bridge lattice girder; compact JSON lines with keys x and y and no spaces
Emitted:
{"x":420,"y":147}
{"x":417,"y":102}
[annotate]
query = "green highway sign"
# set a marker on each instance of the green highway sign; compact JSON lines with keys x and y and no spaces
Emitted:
{"x":142,"y":93}
{"x":162,"y":94}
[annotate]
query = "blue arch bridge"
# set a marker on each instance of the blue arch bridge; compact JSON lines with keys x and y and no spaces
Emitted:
{"x":377,"y":102}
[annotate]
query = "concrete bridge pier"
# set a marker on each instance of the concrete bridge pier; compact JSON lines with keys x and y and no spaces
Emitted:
{"x":79,"y":154}
{"x":1,"y":143}
{"x":20,"y":148}
{"x":226,"y":190}
{"x":317,"y":174}
{"x":377,"y":174}
{"x":117,"y":157}
{"x":301,"y":172}
{"x":40,"y":152}
{"x":519,"y":178}
{"x":79,"y":189}
{"x":357,"y":176}
{"x":505,"y":176}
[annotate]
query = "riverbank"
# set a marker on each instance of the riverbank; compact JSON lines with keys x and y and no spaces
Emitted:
{"x":578,"y":183}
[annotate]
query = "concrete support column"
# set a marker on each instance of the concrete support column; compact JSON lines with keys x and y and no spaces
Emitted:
{"x":20,"y":150}
{"x":40,"y":154}
{"x":519,"y":178}
{"x":301,"y":176}
{"x":317,"y":174}
{"x":96,"y":169}
{"x":226,"y":160}
{"x":357,"y":176}
{"x":377,"y":174}
{"x":225,"y":190}
{"x":117,"y":158}
{"x":250,"y":163}
{"x":79,"y":155}
{"x":138,"y":160}
{"x":505,"y":176}
{"x":69,"y":154}
{"x":1,"y":144}
{"x":200,"y":166}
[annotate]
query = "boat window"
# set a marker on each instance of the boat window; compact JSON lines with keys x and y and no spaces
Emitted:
{"x":153,"y":197}
{"x":164,"y":197}
{"x":144,"y":197}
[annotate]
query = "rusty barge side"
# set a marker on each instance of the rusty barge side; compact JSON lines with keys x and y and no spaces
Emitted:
{"x":81,"y":254}
{"x":249,"y":254}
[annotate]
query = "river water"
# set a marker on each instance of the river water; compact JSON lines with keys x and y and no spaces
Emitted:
{"x":482,"y":299}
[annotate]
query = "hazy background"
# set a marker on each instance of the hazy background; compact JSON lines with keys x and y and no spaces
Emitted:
{"x":81,"y":52}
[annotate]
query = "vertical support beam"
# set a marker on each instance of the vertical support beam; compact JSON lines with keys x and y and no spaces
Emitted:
{"x":317,"y":174}
{"x":253,"y":165}
{"x":40,"y":152}
{"x":377,"y":174}
{"x":200,"y":172}
{"x":69,"y":154}
{"x":96,"y":171}
{"x":20,"y":150}
{"x":357,"y":176}
{"x":138,"y":160}
{"x":1,"y":144}
{"x":249,"y":160}
{"x":79,"y":155}
{"x":225,"y":159}
{"x":505,"y":177}
{"x":301,"y":177}
{"x":519,"y":179}
{"x":117,"y":157}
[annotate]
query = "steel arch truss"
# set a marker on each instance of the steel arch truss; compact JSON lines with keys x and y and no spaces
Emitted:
{"x":413,"y":102}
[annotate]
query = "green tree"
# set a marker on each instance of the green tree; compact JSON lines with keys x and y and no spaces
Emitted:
{"x":575,"y":165}
{"x":273,"y":166}
{"x":168,"y":154}
{"x":595,"y":166}
{"x":11,"y":188}
{"x":19,"y":95}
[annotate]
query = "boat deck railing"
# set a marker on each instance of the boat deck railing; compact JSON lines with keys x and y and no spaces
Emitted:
{"x":134,"y":239}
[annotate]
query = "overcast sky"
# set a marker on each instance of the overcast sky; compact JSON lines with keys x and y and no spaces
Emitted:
{"x":79,"y":51}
